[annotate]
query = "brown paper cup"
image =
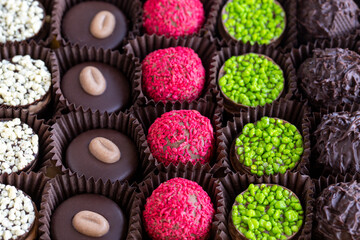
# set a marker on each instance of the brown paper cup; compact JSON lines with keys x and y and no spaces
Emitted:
{"x":70,"y":56}
{"x":293,"y":112}
{"x":240,"y":49}
{"x":299,"y":55}
{"x":288,"y":38}
{"x":302,"y":186}
{"x":131,"y":8}
{"x":140,"y":47}
{"x":211,"y":8}
{"x":193,"y":173}
{"x":9,"y":50}
{"x":315,"y":118}
{"x":147,"y":116}
{"x":323,"y":183}
{"x":63,"y":187}
{"x":39,"y":127}
{"x":71,"y":125}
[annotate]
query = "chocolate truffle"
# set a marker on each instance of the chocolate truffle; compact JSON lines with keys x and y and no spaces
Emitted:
{"x":18,"y":213}
{"x":250,"y":80}
{"x":337,"y":212}
{"x":102,"y":154}
{"x":261,"y":211}
{"x":25,"y":82}
{"x":331,"y":77}
{"x":64,"y":225}
{"x":20,"y":20}
{"x":327,"y":19}
{"x":19,"y":146}
{"x":77,"y":83}
{"x":173,"y":18}
{"x":80,"y":23}
{"x":337,"y":143}
{"x":268,"y":146}
{"x":173,"y":74}
{"x":181,"y":136}
{"x":178,"y":209}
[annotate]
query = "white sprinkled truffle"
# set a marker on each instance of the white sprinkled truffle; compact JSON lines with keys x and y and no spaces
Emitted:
{"x":23,"y":80}
{"x":19,"y":146}
{"x":20,"y":19}
{"x":17,"y":213}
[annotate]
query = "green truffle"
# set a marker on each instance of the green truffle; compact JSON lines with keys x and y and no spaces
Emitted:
{"x":273,"y":218}
{"x":260,"y":21}
{"x":251,"y":80}
{"x":269,"y":146}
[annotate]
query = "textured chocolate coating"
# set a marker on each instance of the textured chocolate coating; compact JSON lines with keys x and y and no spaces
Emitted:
{"x":61,"y":221}
{"x":77,"y":20}
{"x":116,"y":96}
{"x":79,"y":159}
{"x":327,"y":19}
{"x":331,"y":76}
{"x":337,"y":212}
{"x":338,"y":143}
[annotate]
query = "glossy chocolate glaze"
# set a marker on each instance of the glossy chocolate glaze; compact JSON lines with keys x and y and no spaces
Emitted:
{"x":61,"y":221}
{"x":77,"y":20}
{"x":79,"y":159}
{"x":116,"y":96}
{"x":337,"y":212}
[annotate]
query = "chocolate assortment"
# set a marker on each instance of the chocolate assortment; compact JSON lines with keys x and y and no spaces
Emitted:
{"x":174,"y":119}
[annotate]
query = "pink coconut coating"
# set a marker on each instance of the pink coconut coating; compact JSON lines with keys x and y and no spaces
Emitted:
{"x":173,"y":18}
{"x":181,"y":136}
{"x":178,"y":209}
{"x":173,"y":74}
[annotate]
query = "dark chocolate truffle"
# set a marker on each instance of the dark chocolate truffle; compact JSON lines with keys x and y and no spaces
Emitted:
{"x":116,"y":95}
{"x":61,"y":221}
{"x":76,"y":25}
{"x":337,"y":212}
{"x":80,"y":160}
{"x":330,"y":77}
{"x":338,"y":143}
{"x":327,"y":19}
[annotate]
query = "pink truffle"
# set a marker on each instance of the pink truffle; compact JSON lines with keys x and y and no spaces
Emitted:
{"x":173,"y":18}
{"x":178,"y":209}
{"x":173,"y":74}
{"x":181,"y":136}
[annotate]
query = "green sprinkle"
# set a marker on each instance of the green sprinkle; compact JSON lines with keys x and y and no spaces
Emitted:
{"x":263,"y":148}
{"x":291,"y":215}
